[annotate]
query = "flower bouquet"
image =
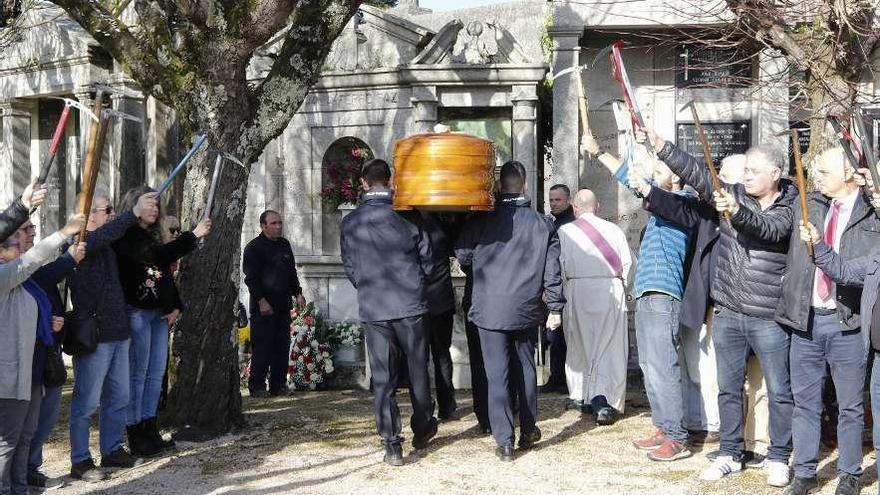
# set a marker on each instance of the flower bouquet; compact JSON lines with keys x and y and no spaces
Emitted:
{"x":310,"y":360}
{"x":342,"y":179}
{"x":346,"y":339}
{"x":345,"y":334}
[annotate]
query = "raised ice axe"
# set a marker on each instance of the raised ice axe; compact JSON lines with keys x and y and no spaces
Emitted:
{"x":801,"y":179}
{"x":59,"y":132}
{"x":707,"y":151}
{"x":215,"y":178}
{"x":200,"y":140}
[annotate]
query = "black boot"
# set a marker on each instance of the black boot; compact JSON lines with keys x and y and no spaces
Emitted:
{"x":139,"y":442}
{"x":151,"y":428}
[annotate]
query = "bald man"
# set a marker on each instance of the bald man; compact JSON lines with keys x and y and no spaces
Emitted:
{"x":595,"y":261}
{"x":825,"y":318}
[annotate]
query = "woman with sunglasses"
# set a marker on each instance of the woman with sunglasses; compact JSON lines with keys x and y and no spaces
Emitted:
{"x":27,"y":315}
{"x":153,"y":306}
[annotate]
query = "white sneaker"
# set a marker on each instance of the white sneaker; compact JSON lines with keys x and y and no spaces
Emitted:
{"x":721,"y":467}
{"x":778,"y":473}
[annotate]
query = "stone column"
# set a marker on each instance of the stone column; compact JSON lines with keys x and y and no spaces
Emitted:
{"x":125,"y":168}
{"x":15,"y":150}
{"x":84,"y":95}
{"x":425,"y":102}
{"x":772,"y":109}
{"x":566,"y":155}
{"x":525,"y":138}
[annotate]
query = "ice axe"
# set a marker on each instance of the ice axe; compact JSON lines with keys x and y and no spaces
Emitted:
{"x":200,"y":140}
{"x":867,"y":150}
{"x":215,"y":178}
{"x":92,"y":163}
{"x":707,"y":152}
{"x":801,"y":180}
{"x":59,"y":132}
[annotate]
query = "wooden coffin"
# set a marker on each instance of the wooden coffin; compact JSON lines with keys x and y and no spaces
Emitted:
{"x":446,"y":171}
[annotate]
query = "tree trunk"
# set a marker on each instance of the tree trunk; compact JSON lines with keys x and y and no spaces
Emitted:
{"x":205,"y":399}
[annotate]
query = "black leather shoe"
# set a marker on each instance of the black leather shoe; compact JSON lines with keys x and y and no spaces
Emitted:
{"x":393,"y":454}
{"x":528,"y":440}
{"x":421,"y":441}
{"x":119,"y":458}
{"x":87,"y":471}
{"x":485,"y":429}
{"x":38,"y":479}
{"x":802,"y":486}
{"x":151,"y":431}
{"x":849,"y":484}
{"x":606,"y":416}
{"x":259,"y":394}
{"x":504,"y":453}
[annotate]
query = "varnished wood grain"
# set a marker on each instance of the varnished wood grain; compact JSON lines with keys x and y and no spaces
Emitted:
{"x":444,"y":172}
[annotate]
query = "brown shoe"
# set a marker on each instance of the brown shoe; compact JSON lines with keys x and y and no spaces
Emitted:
{"x":652,"y":442}
{"x":702,"y":437}
{"x":669,"y":451}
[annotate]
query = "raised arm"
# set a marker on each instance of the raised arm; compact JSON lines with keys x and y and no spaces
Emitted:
{"x":692,"y":171}
{"x":772,"y":225}
{"x":676,"y":208}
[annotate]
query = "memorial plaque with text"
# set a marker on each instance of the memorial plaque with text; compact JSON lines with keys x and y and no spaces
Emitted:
{"x":725,"y":138}
{"x":706,"y":67}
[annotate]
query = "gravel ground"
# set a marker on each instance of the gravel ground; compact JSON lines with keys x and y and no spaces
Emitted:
{"x":324,"y":442}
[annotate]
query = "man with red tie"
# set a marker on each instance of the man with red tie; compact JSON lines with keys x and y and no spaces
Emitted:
{"x":825,"y":320}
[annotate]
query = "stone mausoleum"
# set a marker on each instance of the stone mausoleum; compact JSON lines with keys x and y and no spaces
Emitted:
{"x":398,"y":72}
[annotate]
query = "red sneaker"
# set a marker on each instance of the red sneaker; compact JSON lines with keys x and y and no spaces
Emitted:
{"x":652,"y":442}
{"x":669,"y":451}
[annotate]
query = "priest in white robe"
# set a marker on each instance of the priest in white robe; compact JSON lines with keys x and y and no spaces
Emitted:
{"x":596,"y":260}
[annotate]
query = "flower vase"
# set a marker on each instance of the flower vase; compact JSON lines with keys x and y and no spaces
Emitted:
{"x":349,"y":354}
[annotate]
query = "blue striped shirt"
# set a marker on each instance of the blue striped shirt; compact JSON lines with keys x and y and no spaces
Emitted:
{"x":662,"y":253}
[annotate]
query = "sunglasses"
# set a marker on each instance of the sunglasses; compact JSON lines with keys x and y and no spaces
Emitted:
{"x":106,"y":209}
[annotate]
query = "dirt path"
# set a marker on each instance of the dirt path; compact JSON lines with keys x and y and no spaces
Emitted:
{"x":325,"y":443}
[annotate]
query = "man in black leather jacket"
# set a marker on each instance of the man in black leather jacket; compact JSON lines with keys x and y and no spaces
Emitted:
{"x":746,"y":275}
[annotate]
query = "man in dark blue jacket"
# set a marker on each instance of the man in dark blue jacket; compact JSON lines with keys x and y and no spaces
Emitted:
{"x":387,"y":258}
{"x":514,"y":254}
{"x":270,"y":275}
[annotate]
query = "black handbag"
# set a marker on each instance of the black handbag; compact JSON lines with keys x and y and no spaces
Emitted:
{"x":54,"y":372}
{"x":81,"y":336}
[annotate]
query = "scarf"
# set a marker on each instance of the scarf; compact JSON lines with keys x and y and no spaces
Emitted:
{"x":44,"y":312}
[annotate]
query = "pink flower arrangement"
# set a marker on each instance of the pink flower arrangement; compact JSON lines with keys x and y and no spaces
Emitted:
{"x":343,"y":178}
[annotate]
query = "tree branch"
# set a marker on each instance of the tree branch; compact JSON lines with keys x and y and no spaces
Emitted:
{"x":315,"y":24}
{"x":136,"y":52}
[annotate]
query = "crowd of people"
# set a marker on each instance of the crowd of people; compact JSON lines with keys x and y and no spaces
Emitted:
{"x":119,"y":278}
{"x":742,"y":310}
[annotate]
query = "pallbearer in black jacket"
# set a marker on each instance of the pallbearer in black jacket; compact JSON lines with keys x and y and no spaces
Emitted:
{"x":514,"y":253}
{"x":387,"y":257}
